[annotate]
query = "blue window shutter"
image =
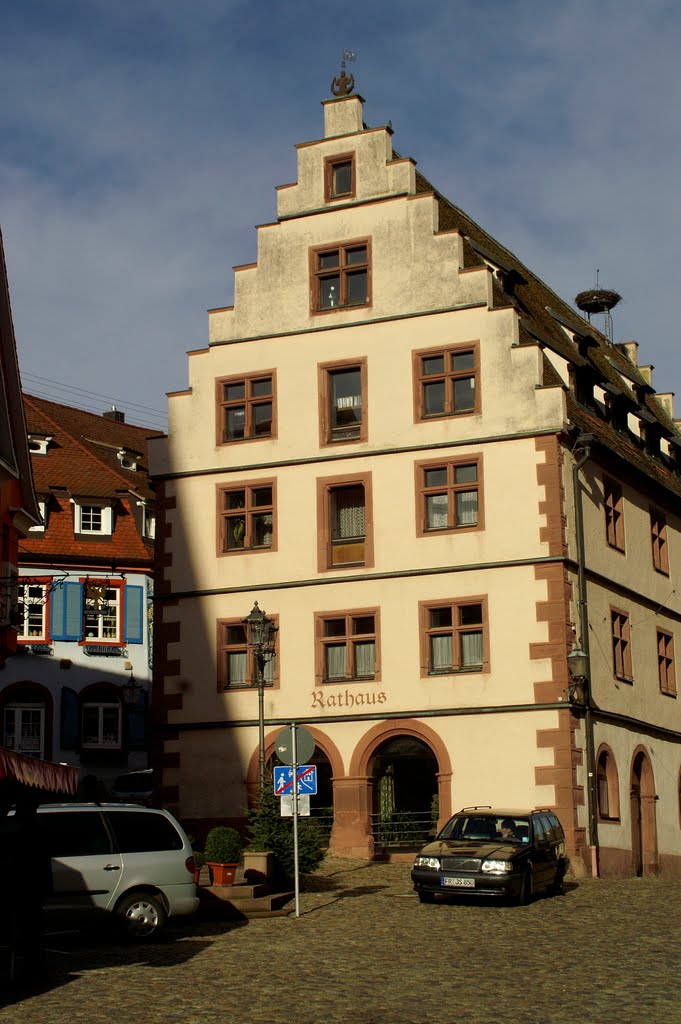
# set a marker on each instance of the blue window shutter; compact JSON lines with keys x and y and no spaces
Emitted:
{"x":137,"y":723}
{"x":133,"y":625}
{"x":69,"y":724}
{"x":66,"y":612}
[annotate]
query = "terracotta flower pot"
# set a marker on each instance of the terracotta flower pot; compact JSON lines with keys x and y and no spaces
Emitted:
{"x":222,"y":874}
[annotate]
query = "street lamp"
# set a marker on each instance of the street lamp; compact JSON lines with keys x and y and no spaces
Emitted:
{"x":260,"y":637}
{"x":578,"y":666}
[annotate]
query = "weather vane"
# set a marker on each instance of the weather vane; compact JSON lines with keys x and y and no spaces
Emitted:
{"x":344,"y":84}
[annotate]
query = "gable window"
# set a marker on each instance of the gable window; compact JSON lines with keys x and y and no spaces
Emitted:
{"x":246,"y":517}
{"x":446,"y":381}
{"x":101,"y":724}
{"x":32,"y":611}
{"x":101,"y":612}
{"x":614,"y":514}
{"x":246,"y":407}
{"x":94,"y":518}
{"x":658,"y":536}
{"x":346,"y":646}
{"x":339,"y":177}
{"x":621,"y":645}
{"x":342,"y":396}
{"x":449,"y":495}
{"x":345,"y":530}
{"x":665,"y":662}
{"x":454,"y":636}
{"x":40,"y":528}
{"x":236,"y":663}
{"x":340,"y":275}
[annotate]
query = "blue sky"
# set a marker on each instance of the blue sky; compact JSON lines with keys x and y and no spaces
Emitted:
{"x":141,"y":141}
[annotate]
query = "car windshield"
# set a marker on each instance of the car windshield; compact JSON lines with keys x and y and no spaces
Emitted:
{"x":492,"y":827}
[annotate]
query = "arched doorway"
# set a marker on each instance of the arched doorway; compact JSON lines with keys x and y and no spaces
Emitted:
{"x":643,"y":819}
{"x":404,"y":782}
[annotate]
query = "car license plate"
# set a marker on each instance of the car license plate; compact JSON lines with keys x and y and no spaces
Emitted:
{"x":458,"y":883}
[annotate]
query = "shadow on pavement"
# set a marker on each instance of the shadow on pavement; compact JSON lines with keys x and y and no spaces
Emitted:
{"x":344,"y":894}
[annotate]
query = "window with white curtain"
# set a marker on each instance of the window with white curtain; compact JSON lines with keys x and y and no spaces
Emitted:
{"x":455,"y":637}
{"x":348,"y":646}
{"x":237,"y":662}
{"x":450,"y":495}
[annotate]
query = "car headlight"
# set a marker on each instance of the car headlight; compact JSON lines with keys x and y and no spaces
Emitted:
{"x":497,"y":867}
{"x":427,"y":862}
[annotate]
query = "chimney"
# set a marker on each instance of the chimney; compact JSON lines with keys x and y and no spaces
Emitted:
{"x":114,"y":414}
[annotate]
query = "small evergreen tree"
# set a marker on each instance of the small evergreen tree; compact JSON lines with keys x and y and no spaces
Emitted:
{"x":267,"y":830}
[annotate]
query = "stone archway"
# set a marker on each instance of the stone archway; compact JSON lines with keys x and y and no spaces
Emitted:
{"x":643,"y":817}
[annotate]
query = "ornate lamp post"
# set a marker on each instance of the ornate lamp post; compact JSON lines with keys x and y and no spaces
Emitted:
{"x":260,"y":637}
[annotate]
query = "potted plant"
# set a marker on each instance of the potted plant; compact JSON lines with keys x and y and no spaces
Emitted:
{"x":222,"y":853}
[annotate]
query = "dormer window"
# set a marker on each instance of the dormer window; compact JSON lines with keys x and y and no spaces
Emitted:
{"x":339,"y":177}
{"x":93,"y":518}
{"x":42,"y":505}
{"x":128,"y":460}
{"x":39,"y":443}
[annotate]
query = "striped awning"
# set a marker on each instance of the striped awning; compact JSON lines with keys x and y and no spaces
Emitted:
{"x":29,"y":771}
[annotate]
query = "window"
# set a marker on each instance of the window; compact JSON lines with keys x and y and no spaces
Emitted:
{"x":101,"y":612}
{"x":340,"y":275}
{"x":342,"y":396}
{"x":665,"y":662}
{"x":449,"y":495}
{"x":614,"y":514}
{"x":236,"y":663}
{"x":454,"y":636}
{"x":93,"y":518}
{"x":446,"y":381}
{"x":658,"y":536}
{"x":346,"y":646}
{"x":339,"y":177}
{"x":42,"y":505}
{"x":24,"y":728}
{"x":607,"y":786}
{"x":345,"y":530}
{"x":246,"y":407}
{"x":101,"y":724}
{"x":32,"y":611}
{"x":621,"y":645}
{"x":246,"y":517}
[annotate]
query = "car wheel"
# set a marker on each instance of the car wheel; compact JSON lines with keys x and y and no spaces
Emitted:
{"x":142,"y":915}
{"x":426,"y":897}
{"x":526,"y":889}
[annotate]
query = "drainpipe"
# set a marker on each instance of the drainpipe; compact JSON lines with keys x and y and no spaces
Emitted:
{"x":583,"y":445}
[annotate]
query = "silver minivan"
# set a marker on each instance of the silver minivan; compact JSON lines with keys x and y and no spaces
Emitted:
{"x":134,"y":862}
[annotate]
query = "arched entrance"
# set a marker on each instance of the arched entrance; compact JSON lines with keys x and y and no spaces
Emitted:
{"x":643,"y":820}
{"x":404,"y":782}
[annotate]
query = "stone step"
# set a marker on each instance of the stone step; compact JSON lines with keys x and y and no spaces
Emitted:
{"x":233,"y":901}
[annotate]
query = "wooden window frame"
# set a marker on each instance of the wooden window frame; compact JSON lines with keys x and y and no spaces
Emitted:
{"x":321,"y":642}
{"x":108,"y":584}
{"x":326,"y":486}
{"x":607,"y":785}
{"x":325,"y":372}
{"x":620,"y":632}
{"x":101,"y":704}
{"x":45,"y":582}
{"x":330,"y":163}
{"x":613,"y":504}
{"x":666,"y":662}
{"x":249,"y":401}
{"x":451,"y":488}
{"x":426,"y":631}
{"x":223,"y":649}
{"x":658,"y":539}
{"x":344,"y":269}
{"x":449,"y":376}
{"x":248,"y":511}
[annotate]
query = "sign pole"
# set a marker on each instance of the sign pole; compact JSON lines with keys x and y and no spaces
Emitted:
{"x":295,"y":818}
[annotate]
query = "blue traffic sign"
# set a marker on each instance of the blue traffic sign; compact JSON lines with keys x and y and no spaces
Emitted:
{"x":307,"y":780}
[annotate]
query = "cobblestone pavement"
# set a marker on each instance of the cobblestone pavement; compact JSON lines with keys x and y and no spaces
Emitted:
{"x":365,"y":951}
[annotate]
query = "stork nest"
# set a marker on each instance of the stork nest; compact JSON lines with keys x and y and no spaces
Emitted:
{"x":597,"y":300}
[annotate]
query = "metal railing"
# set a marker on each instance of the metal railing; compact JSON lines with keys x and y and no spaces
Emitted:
{"x":405,"y":829}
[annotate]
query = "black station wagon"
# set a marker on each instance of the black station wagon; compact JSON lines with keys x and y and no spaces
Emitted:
{"x":482,"y":851}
